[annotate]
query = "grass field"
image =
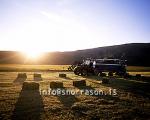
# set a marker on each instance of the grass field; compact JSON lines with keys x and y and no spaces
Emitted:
{"x":131,"y":102}
{"x":138,"y":69}
{"x":19,"y":67}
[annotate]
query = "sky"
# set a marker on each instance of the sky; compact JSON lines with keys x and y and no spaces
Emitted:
{"x":66,"y":25}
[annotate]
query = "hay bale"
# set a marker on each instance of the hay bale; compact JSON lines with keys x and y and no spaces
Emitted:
{"x":62,"y":75}
{"x":102,"y":74}
{"x":30,"y":86}
{"x":105,"y":81}
{"x":37,"y":76}
{"x":79,"y":83}
{"x":138,"y":76}
{"x":22,"y":75}
{"x":56,"y":84}
{"x":127,"y":75}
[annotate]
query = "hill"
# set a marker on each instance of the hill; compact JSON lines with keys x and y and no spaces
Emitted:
{"x":137,"y":54}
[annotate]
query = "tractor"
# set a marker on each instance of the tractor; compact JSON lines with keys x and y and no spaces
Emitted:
{"x":98,"y":66}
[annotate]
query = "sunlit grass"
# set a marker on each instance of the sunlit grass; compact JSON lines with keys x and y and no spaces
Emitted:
{"x":138,"y":69}
{"x":19,"y":67}
{"x":11,"y":98}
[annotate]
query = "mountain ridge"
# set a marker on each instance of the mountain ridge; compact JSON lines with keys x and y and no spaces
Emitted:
{"x":135,"y":53}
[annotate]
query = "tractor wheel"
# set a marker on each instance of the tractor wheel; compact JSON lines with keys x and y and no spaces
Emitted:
{"x":110,"y":74}
{"x":84,"y":73}
{"x":69,"y":69}
{"x":102,"y":74}
{"x":96,"y":72}
{"x":120,"y":74}
{"x":77,"y":71}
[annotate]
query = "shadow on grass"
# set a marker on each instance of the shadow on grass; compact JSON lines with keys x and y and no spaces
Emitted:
{"x":67,"y":100}
{"x":38,"y":79}
{"x":93,"y":77}
{"x":85,"y":87}
{"x":68,"y":78}
{"x":137,"y":86}
{"x":101,"y":95}
{"x":143,"y":78}
{"x":29,"y":106}
{"x":134,"y":86}
{"x":70,"y":99}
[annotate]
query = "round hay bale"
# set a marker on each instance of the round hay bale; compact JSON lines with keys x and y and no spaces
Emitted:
{"x":105,"y":81}
{"x":22,"y":75}
{"x":79,"y":83}
{"x":62,"y":75}
{"x":56,"y":84}
{"x":30,"y":86}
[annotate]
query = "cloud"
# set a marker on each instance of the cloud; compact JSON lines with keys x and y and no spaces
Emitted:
{"x":53,"y":17}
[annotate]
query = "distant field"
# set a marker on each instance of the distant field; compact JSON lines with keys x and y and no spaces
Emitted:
{"x":133,"y":70}
{"x":138,"y":69}
{"x":18,"y":67}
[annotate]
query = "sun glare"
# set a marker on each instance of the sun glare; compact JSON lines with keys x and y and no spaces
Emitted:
{"x":32,"y":54}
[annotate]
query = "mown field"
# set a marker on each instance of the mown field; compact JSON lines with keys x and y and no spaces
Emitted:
{"x":132,"y":101}
{"x":19,"y":67}
{"x":133,"y":70}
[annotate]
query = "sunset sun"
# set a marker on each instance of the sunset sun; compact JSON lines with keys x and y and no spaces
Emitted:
{"x":32,"y":54}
